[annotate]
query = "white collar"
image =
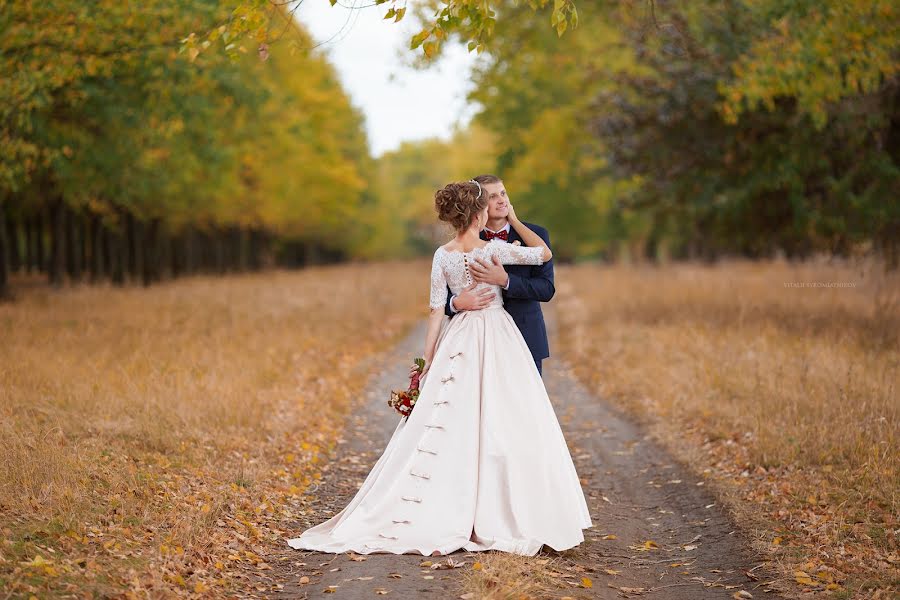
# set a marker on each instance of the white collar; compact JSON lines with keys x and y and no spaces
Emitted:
{"x":505,"y":228}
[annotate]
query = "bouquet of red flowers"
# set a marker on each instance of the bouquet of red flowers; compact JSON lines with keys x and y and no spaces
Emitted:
{"x":404,"y":401}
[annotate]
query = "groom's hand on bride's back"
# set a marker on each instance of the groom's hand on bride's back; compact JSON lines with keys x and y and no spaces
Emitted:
{"x":470,"y":299}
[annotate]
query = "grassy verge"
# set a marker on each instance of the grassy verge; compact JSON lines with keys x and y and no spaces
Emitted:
{"x":785,"y":396}
{"x":152,"y":439}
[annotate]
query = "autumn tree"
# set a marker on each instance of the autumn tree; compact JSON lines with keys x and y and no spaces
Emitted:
{"x":132,"y":157}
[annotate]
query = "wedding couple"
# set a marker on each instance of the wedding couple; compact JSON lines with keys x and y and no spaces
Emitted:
{"x":481,"y":463}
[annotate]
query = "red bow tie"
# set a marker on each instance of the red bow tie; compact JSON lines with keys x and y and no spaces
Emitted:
{"x":503,"y":235}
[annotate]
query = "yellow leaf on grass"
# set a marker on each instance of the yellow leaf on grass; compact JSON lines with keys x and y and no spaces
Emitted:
{"x":777,"y":541}
{"x":586,"y":582}
{"x":803,"y":578}
{"x":357,"y":557}
{"x":611,"y":571}
{"x":650,"y":545}
{"x":477,"y":566}
{"x":200,"y":587}
{"x":609,"y":536}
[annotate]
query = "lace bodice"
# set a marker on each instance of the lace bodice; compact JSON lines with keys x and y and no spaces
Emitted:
{"x":451,"y":268}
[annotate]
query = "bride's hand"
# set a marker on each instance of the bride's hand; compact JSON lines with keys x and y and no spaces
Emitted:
{"x":511,"y":216}
{"x":425,"y":369}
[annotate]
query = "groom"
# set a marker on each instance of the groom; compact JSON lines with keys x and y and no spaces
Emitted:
{"x":524,"y":286}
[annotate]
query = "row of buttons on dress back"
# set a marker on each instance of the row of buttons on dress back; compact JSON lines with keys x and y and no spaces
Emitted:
{"x":423,"y":476}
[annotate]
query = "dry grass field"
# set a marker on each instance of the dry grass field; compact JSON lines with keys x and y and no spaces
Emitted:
{"x":786,"y":396}
{"x":153,"y":439}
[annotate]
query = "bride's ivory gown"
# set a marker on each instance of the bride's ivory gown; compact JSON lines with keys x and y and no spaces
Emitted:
{"x":481,"y":463}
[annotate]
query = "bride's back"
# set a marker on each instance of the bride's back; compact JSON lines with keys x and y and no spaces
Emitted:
{"x":455,"y":267}
{"x":450,"y":268}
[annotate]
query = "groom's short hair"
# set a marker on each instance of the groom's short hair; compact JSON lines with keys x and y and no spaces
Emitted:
{"x":483,"y":179}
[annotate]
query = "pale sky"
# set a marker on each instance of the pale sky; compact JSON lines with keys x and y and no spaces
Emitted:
{"x":399,"y":102}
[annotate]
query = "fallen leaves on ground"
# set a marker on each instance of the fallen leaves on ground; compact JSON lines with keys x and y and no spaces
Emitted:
{"x":182,"y":425}
{"x":712,"y":357}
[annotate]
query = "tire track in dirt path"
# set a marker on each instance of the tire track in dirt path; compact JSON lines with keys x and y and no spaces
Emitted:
{"x":672,"y":539}
{"x":635,"y":491}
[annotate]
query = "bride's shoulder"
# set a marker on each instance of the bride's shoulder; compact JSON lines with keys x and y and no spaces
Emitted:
{"x":440,"y":252}
{"x":493,"y":244}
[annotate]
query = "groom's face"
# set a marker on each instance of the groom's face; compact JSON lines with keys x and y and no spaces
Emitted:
{"x":498,"y":202}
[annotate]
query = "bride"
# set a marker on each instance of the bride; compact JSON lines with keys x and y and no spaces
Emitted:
{"x":481,"y":462}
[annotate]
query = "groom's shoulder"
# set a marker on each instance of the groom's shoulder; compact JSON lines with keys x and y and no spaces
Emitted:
{"x":541,"y":231}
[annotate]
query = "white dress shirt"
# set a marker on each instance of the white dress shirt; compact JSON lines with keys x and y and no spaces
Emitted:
{"x":505,"y":228}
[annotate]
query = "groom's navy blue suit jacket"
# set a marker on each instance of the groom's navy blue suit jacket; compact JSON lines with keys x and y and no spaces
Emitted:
{"x":529,"y":285}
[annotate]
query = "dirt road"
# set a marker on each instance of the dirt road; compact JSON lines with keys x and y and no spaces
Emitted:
{"x":658,"y":531}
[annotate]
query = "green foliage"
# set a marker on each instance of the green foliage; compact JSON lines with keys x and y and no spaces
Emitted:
{"x":817,"y":52}
{"x":537,"y":92}
{"x":107,"y":107}
{"x":625,"y":131}
{"x":472,"y":21}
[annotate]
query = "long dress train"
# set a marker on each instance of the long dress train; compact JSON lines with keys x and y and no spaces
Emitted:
{"x":481,"y":463}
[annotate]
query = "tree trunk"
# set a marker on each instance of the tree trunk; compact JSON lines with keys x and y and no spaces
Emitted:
{"x":57,"y":243}
{"x":175,"y":245}
{"x":200,"y":247}
{"x":164,"y":247}
{"x":190,"y":250}
{"x":81,"y":230}
{"x":119,"y":256}
{"x":219,"y":249}
{"x":29,"y":244}
{"x":39,"y":248}
{"x":4,"y":255}
{"x":244,"y":249}
{"x":150,"y":255}
{"x":97,"y":233}
{"x":136,"y":247}
{"x":252,"y":250}
{"x":12,"y":237}
{"x":73,"y":244}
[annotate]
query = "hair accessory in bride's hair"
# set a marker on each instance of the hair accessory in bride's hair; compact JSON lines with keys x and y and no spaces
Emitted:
{"x":479,"y":188}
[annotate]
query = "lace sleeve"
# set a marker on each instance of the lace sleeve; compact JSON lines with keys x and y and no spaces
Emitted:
{"x":511,"y":254}
{"x":438,"y":282}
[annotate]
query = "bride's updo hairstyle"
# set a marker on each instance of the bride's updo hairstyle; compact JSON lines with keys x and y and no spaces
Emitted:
{"x":459,"y":202}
